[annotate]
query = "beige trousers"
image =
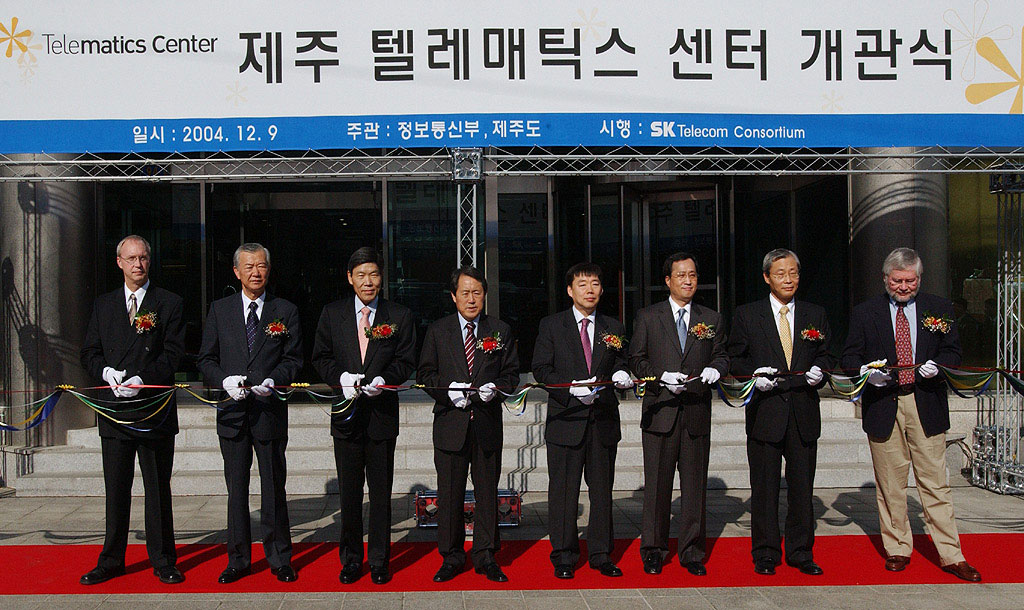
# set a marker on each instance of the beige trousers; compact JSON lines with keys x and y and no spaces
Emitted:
{"x":891,"y":458}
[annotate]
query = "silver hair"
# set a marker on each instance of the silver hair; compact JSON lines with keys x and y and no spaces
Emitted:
{"x":902,"y":259}
{"x":249,"y":247}
{"x":776,"y":255}
{"x":139,"y":238}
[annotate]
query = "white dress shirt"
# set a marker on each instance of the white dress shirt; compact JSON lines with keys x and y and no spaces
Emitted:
{"x":259,"y":306}
{"x":791,"y":317}
{"x":139,"y":295}
{"x":359,"y":310}
{"x":590,"y":327}
{"x":676,"y":307}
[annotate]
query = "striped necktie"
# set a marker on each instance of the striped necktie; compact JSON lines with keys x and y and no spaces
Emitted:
{"x":470,"y":346}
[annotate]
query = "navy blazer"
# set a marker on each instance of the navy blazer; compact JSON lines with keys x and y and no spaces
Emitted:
{"x":225,"y":352}
{"x":654,"y":349}
{"x":558,"y":358}
{"x":754,"y":342}
{"x":153,"y":355}
{"x":443,"y":360}
{"x":872,"y":338}
{"x":336,"y":350}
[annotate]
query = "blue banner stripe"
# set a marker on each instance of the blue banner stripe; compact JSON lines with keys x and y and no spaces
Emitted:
{"x":509,"y":130}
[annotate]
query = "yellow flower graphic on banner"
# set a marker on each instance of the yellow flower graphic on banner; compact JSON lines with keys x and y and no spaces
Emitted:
{"x":11,"y":36}
{"x":982,"y":92}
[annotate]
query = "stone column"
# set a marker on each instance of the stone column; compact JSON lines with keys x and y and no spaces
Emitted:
{"x":47,"y":238}
{"x":893,"y":210}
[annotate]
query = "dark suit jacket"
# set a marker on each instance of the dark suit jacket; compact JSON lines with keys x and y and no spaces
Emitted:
{"x":225,"y":352}
{"x":754,"y":342}
{"x":654,"y":349}
{"x":443,"y":360}
{"x":872,"y":338}
{"x":153,"y":355}
{"x":558,"y":358}
{"x":336,"y":350}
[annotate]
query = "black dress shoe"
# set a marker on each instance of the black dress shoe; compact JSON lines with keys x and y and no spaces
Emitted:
{"x":652,"y":564}
{"x":230,"y":575}
{"x":169,"y":575}
{"x":609,"y":569}
{"x":380,"y":575}
{"x":493,"y":572}
{"x":564,"y":571}
{"x":765,"y":566}
{"x":446,"y":573}
{"x":350,"y":573}
{"x":808,"y":567}
{"x":98,"y":575}
{"x":696,"y":568}
{"x":285,"y":573}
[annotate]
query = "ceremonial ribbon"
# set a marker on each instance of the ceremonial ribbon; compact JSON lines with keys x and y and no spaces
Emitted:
{"x":966,"y":382}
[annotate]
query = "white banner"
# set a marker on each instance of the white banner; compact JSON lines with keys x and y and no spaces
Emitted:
{"x":113,"y":75}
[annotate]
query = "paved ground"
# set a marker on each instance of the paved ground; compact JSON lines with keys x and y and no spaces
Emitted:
{"x":314,"y":519}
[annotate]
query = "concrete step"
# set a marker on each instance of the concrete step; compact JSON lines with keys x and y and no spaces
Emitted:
{"x":319,"y":482}
{"x":518,"y":432}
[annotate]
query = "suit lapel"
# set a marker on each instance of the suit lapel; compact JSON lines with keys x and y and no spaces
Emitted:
{"x":696,"y":317}
{"x":126,"y":334}
{"x":572,"y":336}
{"x":800,"y":322}
{"x":457,"y":345}
{"x":598,"y":354}
{"x":349,"y":335}
{"x":771,"y":332}
{"x":483,"y":329}
{"x":883,"y":325}
{"x":668,"y":323}
{"x":924,"y":337}
{"x":381,"y":317}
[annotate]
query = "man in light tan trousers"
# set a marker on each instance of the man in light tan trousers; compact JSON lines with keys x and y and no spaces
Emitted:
{"x":906,"y":410}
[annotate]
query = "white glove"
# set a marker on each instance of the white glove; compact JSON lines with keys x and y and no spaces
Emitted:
{"x":579,"y":391}
{"x":264,"y":389}
{"x":622,"y":380}
{"x":710,"y":375}
{"x":457,"y":396}
{"x":814,"y":376}
{"x":126,"y":392}
{"x":231,"y":386}
{"x":762,"y":378}
{"x":373,"y":388}
{"x":929,"y":369}
{"x":876,"y":376}
{"x":113,"y":378}
{"x":486,"y":392}
{"x":673,"y":381}
{"x":350,"y":384}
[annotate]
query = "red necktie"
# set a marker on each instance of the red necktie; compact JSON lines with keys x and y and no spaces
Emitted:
{"x":470,"y":346}
{"x":588,"y":351}
{"x":904,"y":351}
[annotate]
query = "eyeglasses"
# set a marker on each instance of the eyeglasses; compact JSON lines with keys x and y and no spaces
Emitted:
{"x":781,"y":276}
{"x":132,"y":260}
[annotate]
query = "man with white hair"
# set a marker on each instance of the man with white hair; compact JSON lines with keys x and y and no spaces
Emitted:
{"x":899,"y":339}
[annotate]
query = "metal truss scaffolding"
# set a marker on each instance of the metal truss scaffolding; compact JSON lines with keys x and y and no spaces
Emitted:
{"x":442,"y":163}
{"x":997,"y":463}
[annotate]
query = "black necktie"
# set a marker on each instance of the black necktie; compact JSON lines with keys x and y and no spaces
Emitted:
{"x":250,"y":325}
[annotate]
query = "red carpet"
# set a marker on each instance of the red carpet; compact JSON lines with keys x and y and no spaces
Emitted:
{"x":847,"y":560}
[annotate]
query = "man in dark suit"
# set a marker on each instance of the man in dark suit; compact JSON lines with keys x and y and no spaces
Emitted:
{"x":361,"y":344}
{"x":906,"y":411}
{"x":682,"y":346}
{"x":767,"y":337}
{"x":136,"y":337}
{"x":582,"y":430}
{"x":467,"y":357}
{"x":252,"y":342}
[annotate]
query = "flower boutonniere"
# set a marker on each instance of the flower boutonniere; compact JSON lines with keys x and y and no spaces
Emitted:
{"x":703,"y":331}
{"x":812,"y":334}
{"x":936,"y":323}
{"x":276,"y":328}
{"x":380,"y":332}
{"x":490,"y":344}
{"x":145,"y":321}
{"x":613,"y":342}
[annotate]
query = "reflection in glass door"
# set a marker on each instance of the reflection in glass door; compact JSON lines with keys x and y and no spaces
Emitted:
{"x":682,"y":221}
